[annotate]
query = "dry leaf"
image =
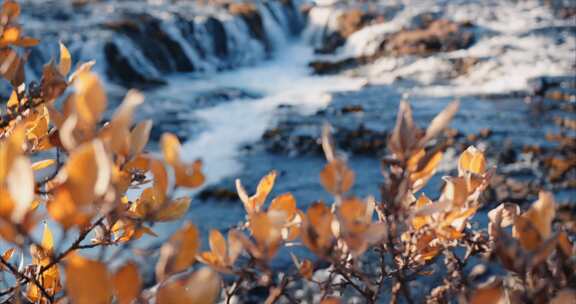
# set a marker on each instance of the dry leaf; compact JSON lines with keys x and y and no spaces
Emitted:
{"x":87,"y":281}
{"x":127,"y":283}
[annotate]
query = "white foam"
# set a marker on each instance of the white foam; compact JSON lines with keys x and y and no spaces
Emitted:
{"x":510,"y":49}
{"x":284,"y":80}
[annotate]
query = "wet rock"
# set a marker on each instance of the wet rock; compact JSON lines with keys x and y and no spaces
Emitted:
{"x":349,"y":22}
{"x":253,"y":19}
{"x":120,"y":70}
{"x":219,"y":95}
{"x":327,"y":67}
{"x":289,"y":139}
{"x":508,"y":155}
{"x":146,"y":31}
{"x":438,"y":36}
{"x":504,"y":188}
{"x":352,"y":109}
{"x":217,"y":193}
{"x":219,"y":38}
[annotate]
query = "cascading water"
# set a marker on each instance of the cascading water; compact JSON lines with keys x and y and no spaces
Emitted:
{"x":139,"y":44}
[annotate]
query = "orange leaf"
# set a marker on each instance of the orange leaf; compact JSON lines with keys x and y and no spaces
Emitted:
{"x":87,"y":281}
{"x":90,"y":100}
{"x":284,"y":203}
{"x":65,"y":60}
{"x":202,"y":287}
{"x":472,"y":160}
{"x":218,"y":244}
{"x":127,"y":283}
{"x":42,"y":164}
{"x":336,"y":177}
{"x":179,"y":252}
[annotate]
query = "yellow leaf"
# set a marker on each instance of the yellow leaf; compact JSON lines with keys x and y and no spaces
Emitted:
{"x":170,"y":148}
{"x":10,"y":9}
{"x":472,"y":160}
{"x":21,"y":186}
{"x":440,"y":122}
{"x":87,"y":281}
{"x":47,"y":239}
{"x":179,"y":252}
{"x":88,"y":172}
{"x":284,"y":203}
{"x":119,"y":128}
{"x":90,"y":99}
{"x":218,"y":244}
{"x":202,"y":287}
{"x":189,"y":175}
{"x":127,"y":283}
{"x":421,"y":173}
{"x":10,"y":149}
{"x":336,"y":177}
{"x":352,"y":215}
{"x":62,"y":209}
{"x":526,"y":233}
{"x":13,"y":101}
{"x":65,"y":60}
{"x":535,"y":225}
{"x":10,"y":35}
{"x":419,"y":221}
{"x":254,"y":203}
{"x":42,"y":164}
{"x":542,"y":212}
{"x":139,"y":137}
{"x":317,"y":228}
{"x":174,"y":210}
{"x":6,"y":256}
{"x":50,"y":278}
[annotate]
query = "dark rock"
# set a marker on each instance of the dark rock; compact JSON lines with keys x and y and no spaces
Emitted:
{"x":120,"y":70}
{"x":250,"y":14}
{"x":352,"y":109}
{"x":146,"y":31}
{"x":223,"y":94}
{"x":294,"y":140}
{"x":219,"y":39}
{"x":507,"y":155}
{"x":217,"y":193}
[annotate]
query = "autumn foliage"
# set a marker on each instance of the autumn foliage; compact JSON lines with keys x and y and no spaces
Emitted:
{"x":60,"y":163}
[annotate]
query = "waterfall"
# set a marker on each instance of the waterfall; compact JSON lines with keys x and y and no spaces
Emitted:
{"x":138,"y":45}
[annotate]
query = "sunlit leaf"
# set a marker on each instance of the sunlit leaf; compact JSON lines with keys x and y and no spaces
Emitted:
{"x":90,"y":99}
{"x":336,"y":177}
{"x":65,"y":60}
{"x":43,"y":164}
{"x":201,"y":287}
{"x":88,"y":172}
{"x":87,"y":281}
{"x":472,"y":160}
{"x":440,"y":122}
{"x":21,"y":185}
{"x":179,"y":252}
{"x":127,"y":283}
{"x":139,"y":137}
